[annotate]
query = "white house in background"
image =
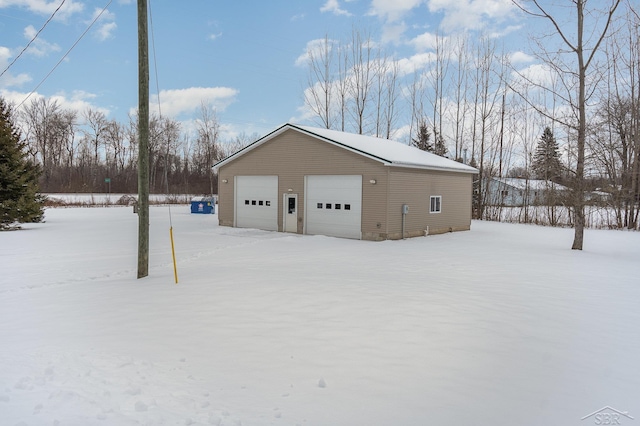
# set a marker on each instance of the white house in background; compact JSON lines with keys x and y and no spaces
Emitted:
{"x":520,"y":192}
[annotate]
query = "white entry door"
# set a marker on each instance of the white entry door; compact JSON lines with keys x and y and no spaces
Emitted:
{"x":290,"y":213}
{"x":256,"y":202}
{"x":333,"y":205}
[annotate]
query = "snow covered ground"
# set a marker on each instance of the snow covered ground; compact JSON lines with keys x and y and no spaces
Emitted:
{"x":502,"y":325}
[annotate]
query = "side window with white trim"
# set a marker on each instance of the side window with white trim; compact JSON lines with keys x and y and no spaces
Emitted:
{"x":435,"y":204}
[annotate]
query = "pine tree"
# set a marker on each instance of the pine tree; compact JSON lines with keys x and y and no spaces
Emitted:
{"x":20,"y":201}
{"x":439,"y":148}
{"x":422,"y":138}
{"x":546,"y":162}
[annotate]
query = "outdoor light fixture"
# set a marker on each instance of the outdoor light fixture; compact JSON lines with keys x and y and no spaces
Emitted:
{"x":289,"y":190}
{"x":224,"y":181}
{"x":372,"y":181}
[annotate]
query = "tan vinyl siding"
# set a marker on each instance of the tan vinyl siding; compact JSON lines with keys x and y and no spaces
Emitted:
{"x":414,"y":188}
{"x":291,"y":156}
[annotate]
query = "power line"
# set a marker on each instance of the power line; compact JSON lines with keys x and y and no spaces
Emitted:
{"x":33,"y":39}
{"x":155,"y":58}
{"x":66,"y":54}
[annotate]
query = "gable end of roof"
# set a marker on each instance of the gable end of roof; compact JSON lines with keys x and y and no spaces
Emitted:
{"x":387,"y":152}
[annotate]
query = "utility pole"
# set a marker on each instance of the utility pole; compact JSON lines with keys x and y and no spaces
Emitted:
{"x":143,"y":141}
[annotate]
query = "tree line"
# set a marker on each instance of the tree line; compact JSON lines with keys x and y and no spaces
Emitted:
{"x":88,"y":152}
{"x":469,"y":100}
{"x":465,"y":98}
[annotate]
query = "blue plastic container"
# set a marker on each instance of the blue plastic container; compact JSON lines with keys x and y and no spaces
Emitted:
{"x":203,"y":205}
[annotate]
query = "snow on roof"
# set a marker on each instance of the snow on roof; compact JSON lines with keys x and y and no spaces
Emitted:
{"x":389,"y":152}
{"x":534,"y":184}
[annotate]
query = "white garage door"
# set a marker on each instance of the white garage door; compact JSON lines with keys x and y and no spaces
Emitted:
{"x":333,"y":205}
{"x":257,"y":202}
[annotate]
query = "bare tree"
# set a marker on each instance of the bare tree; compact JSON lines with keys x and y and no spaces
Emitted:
{"x":391,"y":96}
{"x":438,"y":77}
{"x":37,"y":118}
{"x":239,"y":142}
{"x":488,"y":83}
{"x":319,"y":94}
{"x":95,"y":124}
{"x":361,"y":77}
{"x":207,"y":144}
{"x":583,"y":43}
{"x":386,"y":94}
{"x":342,"y":85}
{"x":461,"y":85}
{"x":50,"y":131}
{"x":416,"y":94}
{"x":614,"y":146}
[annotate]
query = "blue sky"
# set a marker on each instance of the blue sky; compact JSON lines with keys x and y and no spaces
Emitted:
{"x":240,"y":57}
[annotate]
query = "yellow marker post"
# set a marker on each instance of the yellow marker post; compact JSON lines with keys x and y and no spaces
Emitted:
{"x":173,"y":254}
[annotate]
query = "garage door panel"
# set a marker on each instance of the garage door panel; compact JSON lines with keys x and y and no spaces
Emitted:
{"x":334,"y":205}
{"x":256,"y":202}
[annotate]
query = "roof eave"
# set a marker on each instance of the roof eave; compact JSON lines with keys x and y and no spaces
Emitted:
{"x":250,"y":147}
{"x":434,"y":168}
{"x":384,"y":161}
{"x":342,"y":145}
{"x":282,"y":129}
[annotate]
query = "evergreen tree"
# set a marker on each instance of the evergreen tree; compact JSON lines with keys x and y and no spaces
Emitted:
{"x":422,"y":140}
{"x":20,"y":201}
{"x":439,"y":148}
{"x":546,"y":161}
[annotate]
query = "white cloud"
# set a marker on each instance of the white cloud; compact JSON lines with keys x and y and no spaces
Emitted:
{"x":409,"y":65}
{"x":40,"y":47}
{"x":8,"y":79}
{"x":106,"y":15}
{"x":214,"y":36}
{"x":13,"y":97}
{"x":425,"y":41}
{"x":106,"y":23}
{"x":315,"y":47}
{"x":334,"y":7}
{"x":520,"y":58}
{"x":77,"y":100}
{"x":393,"y":10}
{"x":537,"y":74}
{"x":180,"y":101}
{"x":505,"y":31}
{"x":105,"y":31}
{"x":392,"y":33}
{"x":402,"y":134}
{"x":46,"y":8}
{"x":470,"y":14}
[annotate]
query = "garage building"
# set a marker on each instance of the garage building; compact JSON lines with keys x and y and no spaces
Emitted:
{"x":315,"y":181}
